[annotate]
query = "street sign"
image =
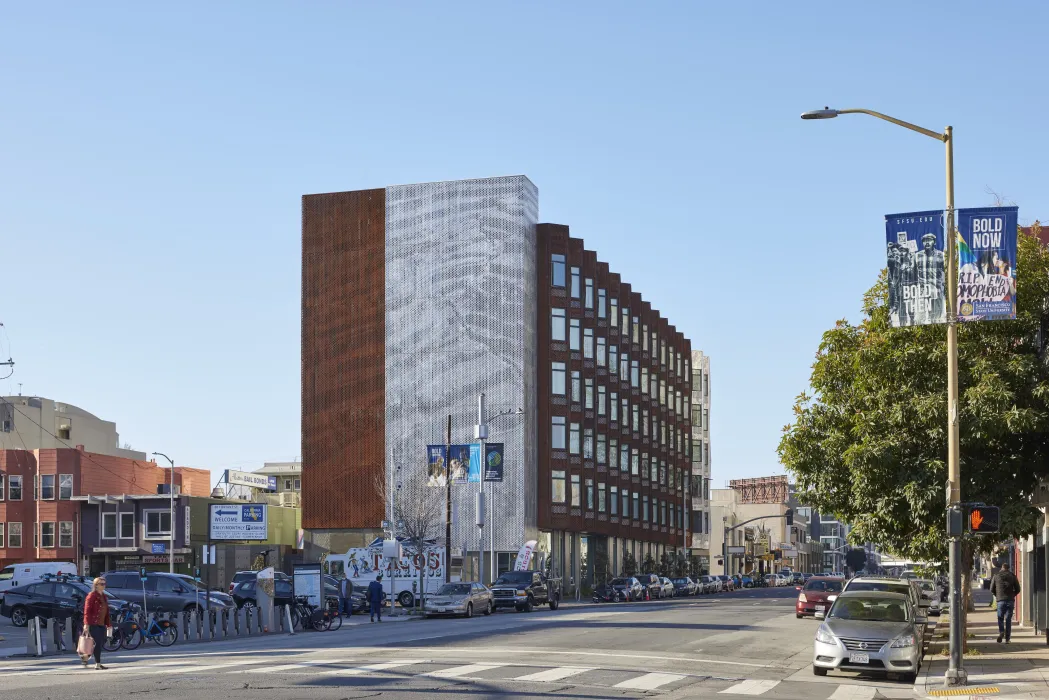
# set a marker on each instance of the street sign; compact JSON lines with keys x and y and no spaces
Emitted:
{"x":983,"y":519}
{"x":207,"y":554}
{"x":238,"y":521}
{"x":736,"y":550}
{"x":158,"y":548}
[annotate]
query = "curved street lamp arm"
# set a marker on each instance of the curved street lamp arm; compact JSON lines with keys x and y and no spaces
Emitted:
{"x":899,"y":122}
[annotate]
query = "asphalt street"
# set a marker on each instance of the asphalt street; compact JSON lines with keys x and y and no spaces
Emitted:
{"x":742,"y":643}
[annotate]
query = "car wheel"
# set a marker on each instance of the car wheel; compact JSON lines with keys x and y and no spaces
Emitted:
{"x":529,"y":605}
{"x":489,"y":609}
{"x":909,"y":677}
{"x":19,"y":616}
{"x":406,"y":599}
{"x":249,"y":605}
{"x":819,"y":671}
{"x":469,"y":610}
{"x":554,"y":603}
{"x":800,"y":615}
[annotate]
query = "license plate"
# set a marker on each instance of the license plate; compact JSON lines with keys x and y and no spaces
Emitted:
{"x":821,"y":608}
{"x":442,"y":609}
{"x":859,"y":658}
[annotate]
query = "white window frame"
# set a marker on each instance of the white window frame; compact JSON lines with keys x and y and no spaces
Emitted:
{"x":558,"y":475}
{"x":62,"y":534}
{"x":10,"y":484}
{"x":62,"y":478}
{"x":156,"y":535}
{"x":54,"y":534}
{"x":54,"y":484}
{"x":116,"y":525}
{"x":120,"y":526}
{"x":11,"y":535}
{"x":1,"y":535}
{"x":3,"y":485}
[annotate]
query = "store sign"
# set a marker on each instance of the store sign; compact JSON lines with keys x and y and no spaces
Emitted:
{"x":155,"y":559}
{"x":238,"y":521}
{"x":254,"y":481}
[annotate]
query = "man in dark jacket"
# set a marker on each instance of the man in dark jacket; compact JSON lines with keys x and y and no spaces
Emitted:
{"x":1005,"y":588}
{"x":346,"y":596}
{"x":375,"y":597}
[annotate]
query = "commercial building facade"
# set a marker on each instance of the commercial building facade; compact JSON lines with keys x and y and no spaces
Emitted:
{"x":700,"y":457}
{"x":419,"y":298}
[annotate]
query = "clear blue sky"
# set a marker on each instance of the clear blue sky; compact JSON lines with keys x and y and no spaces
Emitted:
{"x":153,"y":158}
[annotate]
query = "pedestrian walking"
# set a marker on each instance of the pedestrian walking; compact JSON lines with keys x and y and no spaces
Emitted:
{"x":97,"y":625}
{"x":375,"y":597}
{"x":1005,"y":587}
{"x":346,"y":596}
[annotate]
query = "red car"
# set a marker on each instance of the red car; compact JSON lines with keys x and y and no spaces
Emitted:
{"x":817,"y":594}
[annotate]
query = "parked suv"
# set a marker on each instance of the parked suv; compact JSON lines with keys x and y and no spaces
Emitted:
{"x":652,"y":584}
{"x":163,"y":592}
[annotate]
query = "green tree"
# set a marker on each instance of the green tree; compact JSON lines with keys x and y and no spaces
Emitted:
{"x":869,"y":443}
{"x":649,"y":565}
{"x":629,"y":564}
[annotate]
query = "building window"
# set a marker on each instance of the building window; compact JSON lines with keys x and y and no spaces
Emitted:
{"x":298,"y":484}
{"x":589,"y":494}
{"x":637,"y":505}
{"x":625,"y":322}
{"x":613,"y":359}
{"x":635,"y":327}
{"x":588,"y":293}
{"x":635,"y":376}
{"x":644,"y":509}
{"x":588,"y":393}
{"x":601,"y":400}
{"x":662,"y":475}
{"x":287,"y":484}
{"x":557,"y":270}
{"x":636,"y":421}
{"x":65,"y":487}
{"x":602,"y":448}
{"x":576,"y":496}
{"x":557,"y":324}
{"x":644,"y":380}
{"x":624,"y":405}
{"x":47,"y":535}
{"x":573,"y":438}
{"x":671,"y":481}
{"x":2,"y":493}
{"x":557,"y":378}
{"x":655,"y":471}
{"x":602,"y":297}
{"x":624,"y":367}
{"x":14,"y":535}
{"x":613,"y":311}
{"x":65,"y":534}
{"x":626,"y":503}
{"x":127,"y":526}
{"x":109,"y":526}
{"x":613,"y":403}
{"x":557,"y":491}
{"x":575,"y":283}
{"x":573,"y":335}
{"x":644,"y":465}
{"x":47,"y":489}
{"x":613,"y":453}
{"x":601,"y":352}
{"x":588,"y":443}
{"x":1,"y":535}
{"x":158,"y":523}
{"x":557,"y":436}
{"x":672,"y":509}
{"x":588,"y":343}
{"x":644,"y":423}
{"x":577,"y":386}
{"x":624,"y":458}
{"x":613,"y":502}
{"x":14,"y":487}
{"x":644,"y":337}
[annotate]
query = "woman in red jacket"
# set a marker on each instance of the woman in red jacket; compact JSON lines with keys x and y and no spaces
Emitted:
{"x":96,"y":619}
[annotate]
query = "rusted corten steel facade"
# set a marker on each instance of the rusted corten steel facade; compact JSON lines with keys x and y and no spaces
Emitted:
{"x":605,"y":453}
{"x":343,"y":351}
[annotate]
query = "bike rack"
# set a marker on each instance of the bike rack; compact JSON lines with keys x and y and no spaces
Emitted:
{"x":185,"y":625}
{"x":286,"y":619}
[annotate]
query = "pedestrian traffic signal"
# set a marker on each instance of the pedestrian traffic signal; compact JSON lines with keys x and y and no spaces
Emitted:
{"x":984,"y":519}
{"x":790,"y":517}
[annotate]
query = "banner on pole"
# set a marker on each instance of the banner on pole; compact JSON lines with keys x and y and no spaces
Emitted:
{"x":987,"y":264}
{"x":459,"y":463}
{"x":917,"y":268}
{"x":474,"y":469}
{"x":493,"y":462}
{"x":437,"y":461}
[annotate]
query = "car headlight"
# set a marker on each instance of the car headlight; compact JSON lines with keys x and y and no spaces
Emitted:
{"x":802,"y":598}
{"x":522,"y":594}
{"x":903,"y":641}
{"x":824,"y":636}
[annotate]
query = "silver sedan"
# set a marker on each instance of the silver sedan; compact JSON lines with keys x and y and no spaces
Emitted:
{"x":870,"y":631}
{"x":460,"y":599}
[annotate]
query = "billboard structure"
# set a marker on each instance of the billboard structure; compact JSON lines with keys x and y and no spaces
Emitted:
{"x":987,"y":264}
{"x":917,"y":268}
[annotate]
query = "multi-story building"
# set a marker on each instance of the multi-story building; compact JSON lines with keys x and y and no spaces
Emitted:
{"x":289,"y":484}
{"x":36,"y":423}
{"x":419,"y":298}
{"x":700,"y":459}
{"x":832,"y":534}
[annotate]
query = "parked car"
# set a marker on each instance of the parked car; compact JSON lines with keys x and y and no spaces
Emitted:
{"x":771,"y":580}
{"x":907,"y":587}
{"x":523,"y":590}
{"x":931,"y":591}
{"x":652,"y":585}
{"x":667,"y":588}
{"x":746,"y":582}
{"x":215,"y":593}
{"x":716,"y":585}
{"x":870,"y":631}
{"x":726,"y":583}
{"x":163,"y":592}
{"x":23,"y":574}
{"x":57,"y":599}
{"x":798,"y":578}
{"x":626,"y":589}
{"x":684,"y":586}
{"x":244,"y":595}
{"x":242,"y":576}
{"x":817,"y":595}
{"x":460,"y":599}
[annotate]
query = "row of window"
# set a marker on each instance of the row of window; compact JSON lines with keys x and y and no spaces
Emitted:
{"x":662,"y":512}
{"x":46,"y":535}
{"x":621,"y":319}
{"x":158,"y":525}
{"x":580,"y":440}
{"x":47,"y":487}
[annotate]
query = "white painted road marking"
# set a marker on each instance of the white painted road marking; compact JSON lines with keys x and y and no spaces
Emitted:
{"x":457,"y":671}
{"x":553,"y":674}
{"x":288,"y":667}
{"x":751,"y":687}
{"x":650,"y":681}
{"x":371,"y":668}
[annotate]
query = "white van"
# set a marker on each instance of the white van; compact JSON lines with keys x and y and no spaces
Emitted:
{"x":21,"y":574}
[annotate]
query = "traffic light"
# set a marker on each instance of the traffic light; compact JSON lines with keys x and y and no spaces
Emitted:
{"x":983,"y":519}
{"x":790,"y":517}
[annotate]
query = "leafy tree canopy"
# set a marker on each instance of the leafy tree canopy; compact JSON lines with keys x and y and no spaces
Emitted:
{"x":869,"y":443}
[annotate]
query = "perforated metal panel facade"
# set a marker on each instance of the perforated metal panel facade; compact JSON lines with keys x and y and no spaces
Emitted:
{"x":460,"y":319}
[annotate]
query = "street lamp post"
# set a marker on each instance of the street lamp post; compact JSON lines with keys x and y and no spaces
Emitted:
{"x":955,"y":672}
{"x":481,"y":434}
{"x":171,"y":501}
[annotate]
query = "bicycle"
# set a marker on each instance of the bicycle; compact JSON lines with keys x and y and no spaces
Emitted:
{"x":334,"y":614}
{"x":308,"y":614}
{"x":124,"y":626}
{"x":163,"y":632}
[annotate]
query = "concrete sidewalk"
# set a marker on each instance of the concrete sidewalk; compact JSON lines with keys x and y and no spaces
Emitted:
{"x":1017,"y":669}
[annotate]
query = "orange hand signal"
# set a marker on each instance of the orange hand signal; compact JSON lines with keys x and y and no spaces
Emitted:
{"x":975,"y":518}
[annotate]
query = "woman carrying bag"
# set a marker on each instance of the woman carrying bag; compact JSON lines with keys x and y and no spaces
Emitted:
{"x":97,"y":624}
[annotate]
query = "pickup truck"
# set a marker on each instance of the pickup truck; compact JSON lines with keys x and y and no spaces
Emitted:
{"x":524,"y":590}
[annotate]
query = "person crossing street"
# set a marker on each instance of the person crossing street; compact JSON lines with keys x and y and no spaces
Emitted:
{"x":1005,"y":587}
{"x":375,"y":598}
{"x":96,"y":620}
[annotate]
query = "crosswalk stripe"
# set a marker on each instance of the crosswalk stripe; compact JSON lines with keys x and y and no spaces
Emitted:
{"x":370,"y":668}
{"x":751,"y":687}
{"x":208,"y":667}
{"x":649,"y":681}
{"x":457,"y":671}
{"x":854,"y":692}
{"x":288,"y":667}
{"x":553,"y":674}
